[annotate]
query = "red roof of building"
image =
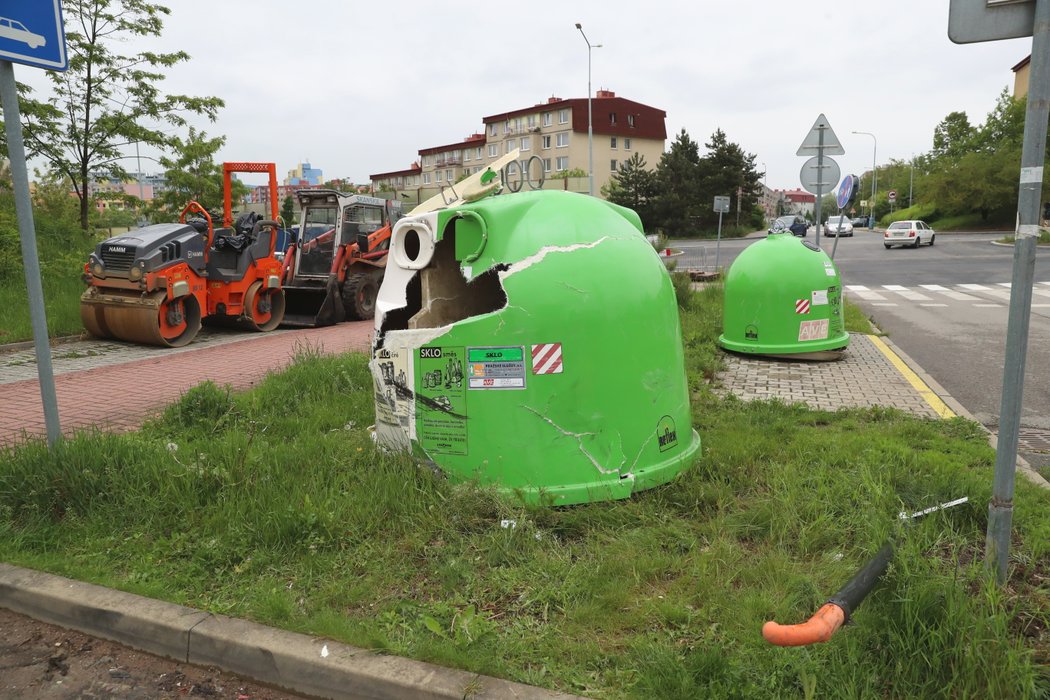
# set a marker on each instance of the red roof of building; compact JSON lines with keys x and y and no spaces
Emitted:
{"x":648,"y":121}
{"x":414,"y":170}
{"x":472,"y":140}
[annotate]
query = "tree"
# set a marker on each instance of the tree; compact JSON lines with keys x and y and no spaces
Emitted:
{"x":193,"y":175}
{"x":288,"y":210}
{"x":634,"y":186}
{"x":107,"y":99}
{"x":953,"y":137}
{"x":727,"y":170}
{"x":677,"y":206}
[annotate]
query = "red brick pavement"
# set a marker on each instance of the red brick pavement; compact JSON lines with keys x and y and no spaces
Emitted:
{"x":119,"y":397}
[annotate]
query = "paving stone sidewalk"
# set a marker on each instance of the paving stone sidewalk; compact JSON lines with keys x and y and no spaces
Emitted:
{"x":864,"y":377}
{"x":119,"y":387}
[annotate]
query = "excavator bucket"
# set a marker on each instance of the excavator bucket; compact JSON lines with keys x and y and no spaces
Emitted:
{"x":311,"y":306}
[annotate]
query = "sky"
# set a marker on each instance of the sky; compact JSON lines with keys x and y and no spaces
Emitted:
{"x":359,"y":88}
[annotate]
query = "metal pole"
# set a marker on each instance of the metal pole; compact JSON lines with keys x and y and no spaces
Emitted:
{"x":718,"y":243}
{"x":30,"y":260}
{"x":1000,"y":508}
{"x":911,"y":180}
{"x":820,"y":180}
{"x":590,"y":122}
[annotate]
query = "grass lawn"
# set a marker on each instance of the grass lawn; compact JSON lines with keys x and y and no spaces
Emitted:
{"x":274,"y":506}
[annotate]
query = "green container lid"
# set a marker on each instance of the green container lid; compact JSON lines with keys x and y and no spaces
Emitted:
{"x":532,"y":341}
{"x":783,"y":296}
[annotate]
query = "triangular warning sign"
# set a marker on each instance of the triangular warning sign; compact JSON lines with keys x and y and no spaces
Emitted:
{"x":812,"y":144}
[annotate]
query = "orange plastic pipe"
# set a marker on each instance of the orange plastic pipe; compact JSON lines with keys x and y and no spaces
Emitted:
{"x":818,"y":628}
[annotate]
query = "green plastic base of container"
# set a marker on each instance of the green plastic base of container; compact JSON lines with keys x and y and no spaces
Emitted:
{"x":607,"y":489}
{"x":839,"y":342}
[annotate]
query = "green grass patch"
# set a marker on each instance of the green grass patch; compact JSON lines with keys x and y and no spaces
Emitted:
{"x":273,"y":505}
{"x":1044,"y":238}
{"x":967,"y":222}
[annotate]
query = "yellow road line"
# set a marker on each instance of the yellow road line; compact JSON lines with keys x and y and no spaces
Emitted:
{"x":928,"y":394}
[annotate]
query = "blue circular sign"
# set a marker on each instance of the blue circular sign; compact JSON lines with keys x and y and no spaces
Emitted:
{"x":845,"y":195}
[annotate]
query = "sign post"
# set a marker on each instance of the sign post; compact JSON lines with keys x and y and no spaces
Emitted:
{"x":820,"y":173}
{"x":721,"y":206}
{"x":847,"y":193}
{"x":991,"y":20}
{"x":35,"y":37}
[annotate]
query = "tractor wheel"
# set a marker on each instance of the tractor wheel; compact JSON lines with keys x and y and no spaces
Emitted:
{"x":359,"y":296}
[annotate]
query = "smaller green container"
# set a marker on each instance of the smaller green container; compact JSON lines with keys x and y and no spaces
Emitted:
{"x":783,"y":297}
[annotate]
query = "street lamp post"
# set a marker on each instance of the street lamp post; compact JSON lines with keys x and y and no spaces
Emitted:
{"x":874,"y":176}
{"x":590,"y":121}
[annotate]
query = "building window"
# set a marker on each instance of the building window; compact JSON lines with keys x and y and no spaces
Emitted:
{"x":563,"y":116}
{"x":546,"y":165}
{"x":612,"y":165}
{"x":492,"y":129}
{"x":426,"y":178}
{"x":477,"y":153}
{"x":563,"y":163}
{"x":506,"y":127}
{"x":546,"y":142}
{"x":612,"y":143}
{"x":532,"y":120}
{"x":427,"y":160}
{"x":511,"y":145}
{"x":449,"y":175}
{"x":466,"y":156}
{"x":627,"y":144}
{"x":630,"y":120}
{"x":440,"y":176}
{"x":512,"y":168}
{"x":563,"y":139}
{"x":526,"y":143}
{"x":612,"y":118}
{"x":493,"y":150}
{"x":548,"y":119}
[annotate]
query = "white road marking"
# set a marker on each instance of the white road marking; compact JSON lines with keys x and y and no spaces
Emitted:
{"x":933,"y":305}
{"x":906,"y":293}
{"x":988,"y":306}
{"x":878,"y":304}
{"x":974,"y":287}
{"x":865,"y":293}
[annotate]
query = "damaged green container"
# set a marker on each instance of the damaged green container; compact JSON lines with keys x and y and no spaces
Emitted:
{"x":531,"y":341}
{"x":783,"y":298}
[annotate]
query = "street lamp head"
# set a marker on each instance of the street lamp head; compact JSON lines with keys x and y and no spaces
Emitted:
{"x":579,"y":26}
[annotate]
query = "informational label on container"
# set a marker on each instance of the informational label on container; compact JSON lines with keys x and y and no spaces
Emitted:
{"x":813,"y":330}
{"x":441,"y":400}
{"x":395,"y":406}
{"x":496,"y":368}
{"x":820,"y":297}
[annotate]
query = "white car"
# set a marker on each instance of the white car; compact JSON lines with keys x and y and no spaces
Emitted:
{"x":908,"y":233}
{"x":838,"y":226}
{"x":13,"y":29}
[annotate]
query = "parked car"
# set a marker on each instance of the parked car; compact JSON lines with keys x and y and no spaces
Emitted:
{"x":838,"y":226}
{"x":795,"y":223}
{"x":859,"y":221}
{"x":908,"y":233}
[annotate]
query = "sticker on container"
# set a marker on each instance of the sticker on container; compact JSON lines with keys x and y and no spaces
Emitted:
{"x":802,"y":306}
{"x":829,"y":271}
{"x":751,"y":332}
{"x":496,"y":368}
{"x":546,"y":358}
{"x":395,"y":407}
{"x":820,"y":297}
{"x":441,"y":400}
{"x":813,"y":330}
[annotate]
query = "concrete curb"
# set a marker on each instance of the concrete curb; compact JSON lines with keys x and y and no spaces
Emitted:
{"x":295,"y":662}
{"x":26,"y":344}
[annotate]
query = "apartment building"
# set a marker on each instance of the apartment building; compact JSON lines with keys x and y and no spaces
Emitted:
{"x":551,"y":136}
{"x":556,"y":133}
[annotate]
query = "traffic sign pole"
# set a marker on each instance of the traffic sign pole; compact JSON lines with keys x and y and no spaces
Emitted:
{"x":30,"y":261}
{"x":1001,"y":506}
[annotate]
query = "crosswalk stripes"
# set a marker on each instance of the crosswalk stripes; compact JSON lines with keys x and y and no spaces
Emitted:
{"x":986,"y":296}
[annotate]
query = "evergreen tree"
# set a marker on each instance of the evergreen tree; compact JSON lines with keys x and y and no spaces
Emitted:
{"x":634,"y":186}
{"x":677,"y":206}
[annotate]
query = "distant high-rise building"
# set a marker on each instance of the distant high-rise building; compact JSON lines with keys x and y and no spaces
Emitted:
{"x":304,"y":174}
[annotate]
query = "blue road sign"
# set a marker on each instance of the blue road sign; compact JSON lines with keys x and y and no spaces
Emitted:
{"x":847,"y":191}
{"x":32,"y":33}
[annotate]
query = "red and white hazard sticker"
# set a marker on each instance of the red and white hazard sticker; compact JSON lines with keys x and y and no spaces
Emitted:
{"x":802,"y":306}
{"x":546,"y":358}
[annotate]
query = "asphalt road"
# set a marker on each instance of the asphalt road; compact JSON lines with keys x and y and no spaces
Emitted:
{"x":946,"y":306}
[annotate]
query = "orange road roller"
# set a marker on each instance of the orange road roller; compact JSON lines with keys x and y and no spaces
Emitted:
{"x":155,"y":285}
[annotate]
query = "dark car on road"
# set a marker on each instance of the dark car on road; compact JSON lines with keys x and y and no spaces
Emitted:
{"x":795,"y":223}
